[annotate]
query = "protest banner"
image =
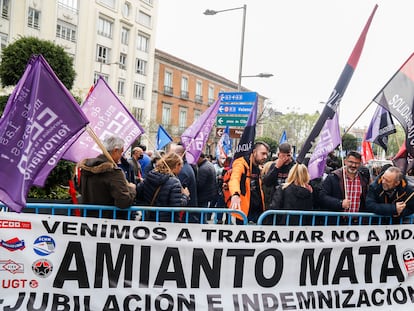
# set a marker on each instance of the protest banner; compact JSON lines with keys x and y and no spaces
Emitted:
{"x":72,"y":263}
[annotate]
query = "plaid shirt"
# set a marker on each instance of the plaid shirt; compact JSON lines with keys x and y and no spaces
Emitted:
{"x":353,"y":191}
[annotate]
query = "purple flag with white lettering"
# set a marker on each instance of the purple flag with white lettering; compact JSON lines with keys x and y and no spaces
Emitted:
{"x":108,"y":116}
{"x":329,"y":139}
{"x":195,"y":137}
{"x":40,"y":117}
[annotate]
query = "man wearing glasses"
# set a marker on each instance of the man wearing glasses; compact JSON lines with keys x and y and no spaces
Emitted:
{"x":345,"y":192}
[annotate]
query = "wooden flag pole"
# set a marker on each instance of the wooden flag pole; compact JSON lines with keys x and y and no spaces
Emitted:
{"x":99,"y":143}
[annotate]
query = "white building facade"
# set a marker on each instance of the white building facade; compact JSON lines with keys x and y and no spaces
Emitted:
{"x":112,"y":38}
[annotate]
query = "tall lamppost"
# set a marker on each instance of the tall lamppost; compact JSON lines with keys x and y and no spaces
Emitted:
{"x":244,"y":7}
{"x":259,"y":75}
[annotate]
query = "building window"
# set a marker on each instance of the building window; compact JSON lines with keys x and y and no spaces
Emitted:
{"x":144,"y":19}
{"x":124,"y":36}
{"x":141,"y":66}
{"x":102,"y":54}
{"x":143,"y":43}
{"x":182,"y":119}
{"x":184,"y":87}
{"x":4,"y":6}
{"x":166,"y":114}
{"x":33,"y":18}
{"x":139,"y":91}
{"x":122,"y":61}
{"x":66,"y":31}
{"x":126,"y":9}
{"x":96,"y":77}
{"x":168,"y":89}
{"x":199,"y":92}
{"x":105,"y":27}
{"x":197,"y":114}
{"x":71,"y":5}
{"x":138,"y":113}
{"x":210,"y":94}
{"x":148,"y":1}
{"x":121,"y":87}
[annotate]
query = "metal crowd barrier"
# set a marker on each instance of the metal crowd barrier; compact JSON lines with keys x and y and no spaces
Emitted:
{"x":170,"y":214}
{"x":199,"y":215}
{"x":324,"y":218}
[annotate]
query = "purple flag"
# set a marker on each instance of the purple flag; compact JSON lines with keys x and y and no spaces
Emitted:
{"x":380,"y":128}
{"x":329,"y":139}
{"x":40,"y":117}
{"x":107,"y":116}
{"x":339,"y":90}
{"x":195,"y":137}
{"x":245,"y":146}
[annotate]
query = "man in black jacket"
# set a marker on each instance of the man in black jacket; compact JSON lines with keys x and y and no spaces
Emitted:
{"x":279,"y":170}
{"x":335,"y":195}
{"x":388,"y":193}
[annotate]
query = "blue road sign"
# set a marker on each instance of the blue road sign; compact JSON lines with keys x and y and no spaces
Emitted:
{"x":238,"y":97}
{"x":234,"y":109}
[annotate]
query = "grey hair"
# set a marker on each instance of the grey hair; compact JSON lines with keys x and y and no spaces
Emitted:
{"x":113,"y":142}
{"x":397,"y":171}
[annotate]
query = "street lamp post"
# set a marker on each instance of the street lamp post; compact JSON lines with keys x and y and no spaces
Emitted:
{"x":244,"y":7}
{"x":259,"y":75}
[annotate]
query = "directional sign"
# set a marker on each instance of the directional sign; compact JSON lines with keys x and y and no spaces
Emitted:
{"x":234,"y":109}
{"x":231,"y":121}
{"x":238,"y":97}
{"x":234,"y":133}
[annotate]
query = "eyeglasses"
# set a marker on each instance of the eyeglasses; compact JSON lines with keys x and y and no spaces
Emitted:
{"x":353,"y":163}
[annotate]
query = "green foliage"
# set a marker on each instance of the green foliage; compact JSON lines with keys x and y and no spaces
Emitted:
{"x":15,"y":56}
{"x":56,"y":183}
{"x":3,"y":102}
{"x":297,"y":126}
{"x":273,"y":144}
{"x":349,"y":142}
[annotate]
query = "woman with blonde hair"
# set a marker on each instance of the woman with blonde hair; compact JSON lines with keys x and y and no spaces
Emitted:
{"x":161,"y":187}
{"x":295,"y":193}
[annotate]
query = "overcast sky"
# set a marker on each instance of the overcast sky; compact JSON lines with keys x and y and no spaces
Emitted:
{"x":304,"y":43}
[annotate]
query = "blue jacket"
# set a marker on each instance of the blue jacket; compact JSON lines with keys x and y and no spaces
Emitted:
{"x":382,"y":203}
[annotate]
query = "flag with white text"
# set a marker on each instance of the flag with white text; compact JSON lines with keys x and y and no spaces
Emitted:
{"x":329,"y":139}
{"x":195,"y":137}
{"x":40,"y":117}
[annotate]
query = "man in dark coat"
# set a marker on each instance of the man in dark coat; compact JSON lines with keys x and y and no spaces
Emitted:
{"x":279,"y":170}
{"x":206,"y":183}
{"x":103,"y":182}
{"x":333,"y":197}
{"x":388,"y":193}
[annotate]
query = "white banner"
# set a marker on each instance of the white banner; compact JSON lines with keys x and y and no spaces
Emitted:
{"x":74,"y":263}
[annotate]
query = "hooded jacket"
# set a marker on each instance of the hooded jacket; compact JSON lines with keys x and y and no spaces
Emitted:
{"x":102,"y":183}
{"x":383,"y":203}
{"x":169,"y":194}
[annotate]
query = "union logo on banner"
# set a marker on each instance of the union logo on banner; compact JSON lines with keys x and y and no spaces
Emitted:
{"x":408,"y":256}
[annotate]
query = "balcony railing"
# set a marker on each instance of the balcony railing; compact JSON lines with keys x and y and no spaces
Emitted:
{"x":184,"y":94}
{"x":168,"y":90}
{"x":199,"y":99}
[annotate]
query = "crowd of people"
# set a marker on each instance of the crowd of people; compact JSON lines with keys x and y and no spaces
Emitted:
{"x":256,"y":184}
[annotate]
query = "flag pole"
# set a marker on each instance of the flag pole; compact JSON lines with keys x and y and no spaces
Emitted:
{"x":99,"y":143}
{"x":353,"y":123}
